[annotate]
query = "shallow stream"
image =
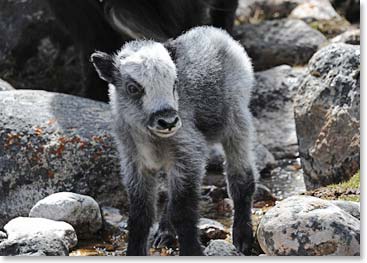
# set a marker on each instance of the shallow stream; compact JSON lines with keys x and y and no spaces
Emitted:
{"x":283,"y":181}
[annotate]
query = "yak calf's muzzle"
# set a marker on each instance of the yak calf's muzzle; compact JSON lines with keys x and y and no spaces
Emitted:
{"x":164,"y":123}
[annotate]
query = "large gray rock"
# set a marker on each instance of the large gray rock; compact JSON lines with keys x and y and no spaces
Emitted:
{"x":221,"y":248}
{"x":35,"y":53}
{"x":52,"y":142}
{"x":277,"y":42}
{"x":353,"y":208}
{"x":80,"y":211}
{"x":24,"y":228}
{"x":272,"y":107}
{"x":308,"y":226}
{"x":327,"y":116}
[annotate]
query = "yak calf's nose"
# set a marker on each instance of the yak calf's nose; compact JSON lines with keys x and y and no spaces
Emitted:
{"x":168,"y":123}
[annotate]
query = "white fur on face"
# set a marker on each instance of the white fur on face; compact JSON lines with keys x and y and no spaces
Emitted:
{"x":152,"y":67}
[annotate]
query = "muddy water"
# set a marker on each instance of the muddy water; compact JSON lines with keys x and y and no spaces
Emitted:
{"x":284,"y":181}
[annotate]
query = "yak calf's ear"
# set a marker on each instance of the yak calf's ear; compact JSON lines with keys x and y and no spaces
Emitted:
{"x":103,"y":64}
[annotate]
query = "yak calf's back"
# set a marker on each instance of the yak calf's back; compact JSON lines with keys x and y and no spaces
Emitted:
{"x":215,"y":77}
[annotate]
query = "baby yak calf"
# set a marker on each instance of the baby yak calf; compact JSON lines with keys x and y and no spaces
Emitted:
{"x":169,"y":102}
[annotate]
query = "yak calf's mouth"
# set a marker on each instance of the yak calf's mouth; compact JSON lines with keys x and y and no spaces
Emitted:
{"x":165,"y":133}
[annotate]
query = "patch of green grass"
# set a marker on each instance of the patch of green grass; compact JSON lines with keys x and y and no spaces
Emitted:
{"x":348,"y":191}
{"x":330,"y":28}
{"x":354,"y":198}
{"x":353,"y":182}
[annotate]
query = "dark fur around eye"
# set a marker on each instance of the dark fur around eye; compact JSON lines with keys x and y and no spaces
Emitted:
{"x":133,"y":88}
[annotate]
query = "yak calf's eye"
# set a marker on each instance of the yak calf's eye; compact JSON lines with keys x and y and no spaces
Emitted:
{"x":133,"y":88}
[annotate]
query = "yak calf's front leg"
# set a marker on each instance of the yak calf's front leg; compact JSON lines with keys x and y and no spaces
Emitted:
{"x":141,"y":191}
{"x":241,"y":187}
{"x":183,"y":206}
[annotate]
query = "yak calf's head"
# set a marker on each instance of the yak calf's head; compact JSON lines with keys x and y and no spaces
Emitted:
{"x":142,"y":78}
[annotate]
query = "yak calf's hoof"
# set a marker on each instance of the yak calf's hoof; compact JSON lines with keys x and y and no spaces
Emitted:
{"x":243,"y":239}
{"x":244,"y":248}
{"x":192,"y":250}
{"x":243,"y":243}
{"x":164,"y":239}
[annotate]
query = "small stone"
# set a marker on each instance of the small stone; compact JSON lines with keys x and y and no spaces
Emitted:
{"x":112,"y":215}
{"x":313,"y":10}
{"x":259,"y":212}
{"x":265,"y":160}
{"x":263,"y":193}
{"x":331,"y":28}
{"x":5,"y":85}
{"x":215,"y":193}
{"x":81,"y":211}
{"x":210,"y":229}
{"x":26,"y":228}
{"x":221,"y":248}
{"x":35,"y":245}
{"x":2,"y":235}
{"x":352,"y":37}
{"x":114,"y":224}
{"x":257,"y":10}
{"x":227,"y":205}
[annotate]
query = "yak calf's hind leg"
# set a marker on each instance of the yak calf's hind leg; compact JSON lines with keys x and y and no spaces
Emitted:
{"x":241,"y":172}
{"x":165,"y":235}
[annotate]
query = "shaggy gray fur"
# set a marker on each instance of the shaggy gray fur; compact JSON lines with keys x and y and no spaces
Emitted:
{"x":170,"y":102}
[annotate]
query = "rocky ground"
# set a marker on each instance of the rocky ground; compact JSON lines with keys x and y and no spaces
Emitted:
{"x":59,"y":176}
